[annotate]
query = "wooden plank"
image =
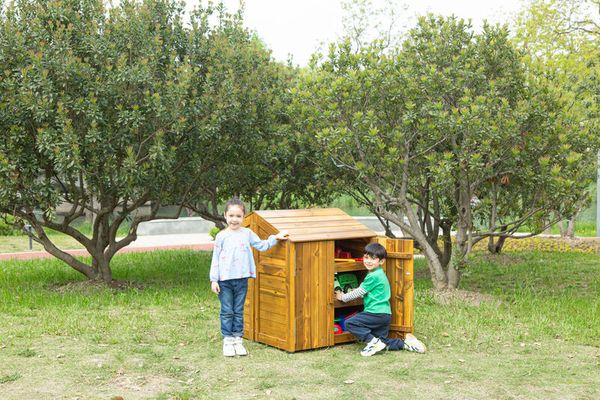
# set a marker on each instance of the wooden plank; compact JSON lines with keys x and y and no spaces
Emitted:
{"x":272,"y":282}
{"x":275,"y":301}
{"x":272,"y":341}
{"x":275,"y":314}
{"x":291,"y":288}
{"x":341,"y":304}
{"x":331,"y":236}
{"x":271,"y":269}
{"x":401,"y":255}
{"x":300,"y":297}
{"x":318,"y":229}
{"x":322,"y":223}
{"x":250,"y":304}
{"x":262,"y":291}
{"x":273,"y":328}
{"x":349,"y":266}
{"x":317,"y":219}
{"x":401,"y":296}
{"x":401,"y":328}
{"x":277,"y":253}
{"x":267,"y":214}
{"x":345,"y":337}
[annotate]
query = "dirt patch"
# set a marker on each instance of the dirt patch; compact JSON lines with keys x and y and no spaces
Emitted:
{"x":140,"y":386}
{"x":93,"y":286}
{"x":474,"y":299}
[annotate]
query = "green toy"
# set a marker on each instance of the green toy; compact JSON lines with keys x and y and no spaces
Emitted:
{"x":345,"y":282}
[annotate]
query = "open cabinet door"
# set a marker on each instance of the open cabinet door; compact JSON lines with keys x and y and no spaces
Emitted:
{"x":399,"y":271}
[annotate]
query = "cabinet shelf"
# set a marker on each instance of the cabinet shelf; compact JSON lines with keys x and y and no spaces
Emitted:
{"x":341,"y":304}
{"x":345,"y":337}
{"x":347,"y":266}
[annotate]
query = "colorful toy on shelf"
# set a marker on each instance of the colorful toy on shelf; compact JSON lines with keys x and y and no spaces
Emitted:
{"x":344,"y":282}
{"x":341,"y":322}
{"x":346,"y":318}
{"x":339,"y":253}
{"x":337,"y":329}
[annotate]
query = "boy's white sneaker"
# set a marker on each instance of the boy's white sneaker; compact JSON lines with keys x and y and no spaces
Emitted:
{"x":411,"y":343}
{"x":238,"y":346}
{"x":374,"y":346}
{"x":228,"y":349}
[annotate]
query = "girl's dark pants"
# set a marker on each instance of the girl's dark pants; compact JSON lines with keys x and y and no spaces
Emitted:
{"x":232,"y":297}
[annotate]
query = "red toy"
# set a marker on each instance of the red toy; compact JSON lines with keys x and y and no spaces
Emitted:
{"x":339,"y":253}
{"x":337,"y":329}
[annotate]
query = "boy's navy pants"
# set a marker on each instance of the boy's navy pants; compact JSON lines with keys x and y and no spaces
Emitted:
{"x":365,"y":326}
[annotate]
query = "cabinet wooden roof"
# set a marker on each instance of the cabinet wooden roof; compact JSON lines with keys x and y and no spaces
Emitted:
{"x":314,"y":224}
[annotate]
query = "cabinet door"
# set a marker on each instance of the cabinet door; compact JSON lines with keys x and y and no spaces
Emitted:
{"x":399,"y":271}
{"x":314,"y":311}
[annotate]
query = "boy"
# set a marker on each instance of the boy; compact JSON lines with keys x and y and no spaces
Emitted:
{"x":373,"y":324}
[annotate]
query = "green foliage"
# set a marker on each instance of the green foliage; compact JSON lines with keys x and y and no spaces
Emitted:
{"x":562,"y":39}
{"x":90,"y":114}
{"x":420,"y":131}
{"x":213,"y":232}
{"x":237,"y":110}
{"x":7,"y":226}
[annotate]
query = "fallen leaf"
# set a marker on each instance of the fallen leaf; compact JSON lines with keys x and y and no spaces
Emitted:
{"x":60,"y":356}
{"x":461,"y":360}
{"x":268,"y":392}
{"x":348,"y":381}
{"x":176,"y":358}
{"x":445,"y":334}
{"x":447,"y":381}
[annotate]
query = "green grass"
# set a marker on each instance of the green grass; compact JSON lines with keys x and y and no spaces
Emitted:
{"x":582,"y":228}
{"x":524,"y":325}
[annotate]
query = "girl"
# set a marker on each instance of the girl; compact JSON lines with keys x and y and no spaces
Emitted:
{"x":232,"y":265}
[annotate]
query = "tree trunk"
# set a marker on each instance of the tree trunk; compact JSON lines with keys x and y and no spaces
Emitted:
{"x":571,"y":228}
{"x":101,"y":267}
{"x":495,"y":247}
{"x":438,"y":276}
{"x":454,"y":276}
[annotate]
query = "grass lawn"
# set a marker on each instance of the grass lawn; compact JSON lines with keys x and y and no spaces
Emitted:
{"x":524,"y":326}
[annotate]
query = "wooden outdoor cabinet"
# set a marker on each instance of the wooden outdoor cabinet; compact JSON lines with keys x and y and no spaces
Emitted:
{"x":291,"y":304}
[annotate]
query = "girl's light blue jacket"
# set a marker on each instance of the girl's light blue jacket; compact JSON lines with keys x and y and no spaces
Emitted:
{"x":232,"y":256}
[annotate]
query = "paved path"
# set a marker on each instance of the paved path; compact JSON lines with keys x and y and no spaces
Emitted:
{"x":194,"y":241}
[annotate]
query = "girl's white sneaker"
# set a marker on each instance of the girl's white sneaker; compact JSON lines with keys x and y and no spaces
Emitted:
{"x":228,"y":349}
{"x":238,"y":346}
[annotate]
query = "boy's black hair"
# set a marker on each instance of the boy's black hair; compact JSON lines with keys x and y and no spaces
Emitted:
{"x":235,"y":201}
{"x":376,"y":250}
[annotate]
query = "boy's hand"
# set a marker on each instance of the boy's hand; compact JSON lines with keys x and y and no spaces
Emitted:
{"x":214,"y":286}
{"x":283,"y":235}
{"x":338,"y":295}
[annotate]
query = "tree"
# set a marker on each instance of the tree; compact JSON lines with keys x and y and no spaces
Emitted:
{"x":562,"y":39}
{"x":238,"y":111}
{"x":427,"y":131}
{"x":90,"y":102}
